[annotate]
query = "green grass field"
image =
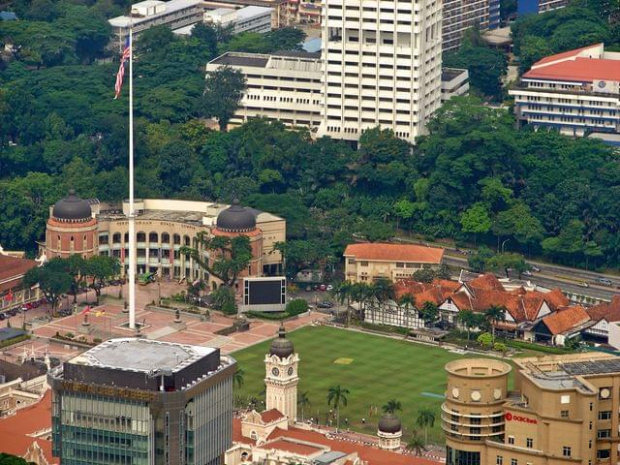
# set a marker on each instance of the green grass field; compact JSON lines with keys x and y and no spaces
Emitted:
{"x":374,"y":369}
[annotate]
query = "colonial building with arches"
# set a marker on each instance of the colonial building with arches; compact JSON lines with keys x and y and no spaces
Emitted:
{"x":163,"y":226}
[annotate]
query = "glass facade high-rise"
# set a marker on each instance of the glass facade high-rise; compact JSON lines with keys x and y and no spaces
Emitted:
{"x":141,"y":402}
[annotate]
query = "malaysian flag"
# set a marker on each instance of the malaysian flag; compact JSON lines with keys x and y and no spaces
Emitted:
{"x":121,"y":69}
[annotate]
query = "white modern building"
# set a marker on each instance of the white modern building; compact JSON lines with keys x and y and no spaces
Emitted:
{"x":576,"y":92}
{"x":381,"y":66}
{"x":460,"y":15}
{"x":454,"y":82}
{"x":247,"y":19}
{"x":284,"y":87}
{"x":149,"y":13}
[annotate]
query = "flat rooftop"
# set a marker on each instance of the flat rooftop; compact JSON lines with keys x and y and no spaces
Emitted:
{"x":142,"y":355}
{"x":171,"y":7}
{"x":258,"y":60}
{"x":592,"y":367}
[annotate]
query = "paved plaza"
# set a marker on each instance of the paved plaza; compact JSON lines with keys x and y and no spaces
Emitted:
{"x":110,"y":321}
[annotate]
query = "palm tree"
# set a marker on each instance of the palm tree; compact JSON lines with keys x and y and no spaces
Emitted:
{"x":337,"y":396}
{"x":426,"y":419}
{"x":392,"y":406}
{"x":303,"y":402}
{"x":416,"y":444}
{"x":238,"y":377}
{"x":407,"y":300}
{"x":493,"y":315}
{"x":466,"y":318}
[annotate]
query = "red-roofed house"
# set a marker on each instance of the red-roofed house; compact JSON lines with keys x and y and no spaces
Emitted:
{"x":605,"y":314}
{"x":562,"y":325}
{"x":369,"y":261}
{"x":12,"y":293}
{"x":27,"y":433}
{"x":576,"y":92}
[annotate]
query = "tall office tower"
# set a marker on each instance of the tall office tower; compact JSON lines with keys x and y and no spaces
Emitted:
{"x":381,"y":66}
{"x":460,"y":15}
{"x":143,"y":402}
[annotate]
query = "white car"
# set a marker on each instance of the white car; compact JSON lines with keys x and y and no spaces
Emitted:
{"x":329,"y":287}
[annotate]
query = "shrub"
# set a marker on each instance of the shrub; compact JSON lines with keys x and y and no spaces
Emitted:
{"x":70,"y":335}
{"x":297,"y":306}
{"x":499,"y":347}
{"x":97,"y":340}
{"x":485,"y":339}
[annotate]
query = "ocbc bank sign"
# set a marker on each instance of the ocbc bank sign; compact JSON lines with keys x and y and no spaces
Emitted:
{"x":514,"y":417}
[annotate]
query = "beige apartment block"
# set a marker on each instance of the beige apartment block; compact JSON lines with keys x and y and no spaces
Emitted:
{"x":563,"y":410}
{"x":371,"y":261}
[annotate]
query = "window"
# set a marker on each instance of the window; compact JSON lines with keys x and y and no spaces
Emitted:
{"x":564,"y":413}
{"x":499,"y":460}
{"x":511,"y":439}
{"x":514,"y":462}
{"x":529,"y":442}
{"x":565,"y":399}
{"x":351,"y":261}
{"x":603,"y":453}
{"x":566,"y":451}
{"x":603,"y":433}
{"x":605,"y":415}
{"x":364,"y":263}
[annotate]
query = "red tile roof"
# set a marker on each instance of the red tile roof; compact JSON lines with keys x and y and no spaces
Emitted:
{"x":395,"y":253}
{"x":608,"y":310}
{"x":292,"y":446}
{"x":565,"y":318}
{"x":436,"y":292}
{"x":14,"y":430}
{"x":579,"y":70}
{"x":372,"y":455}
{"x":237,"y":436}
{"x":487,"y":282}
{"x":565,"y":55}
{"x":13,"y":267}
{"x":272,"y":415}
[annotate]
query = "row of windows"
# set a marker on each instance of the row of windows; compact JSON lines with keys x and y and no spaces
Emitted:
{"x":141,"y":237}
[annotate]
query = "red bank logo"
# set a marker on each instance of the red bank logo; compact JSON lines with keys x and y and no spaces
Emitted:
{"x":510,"y":417}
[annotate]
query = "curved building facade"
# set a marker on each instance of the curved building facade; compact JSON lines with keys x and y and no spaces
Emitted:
{"x":163,"y":227}
{"x":473,"y":411}
{"x":71,"y":228}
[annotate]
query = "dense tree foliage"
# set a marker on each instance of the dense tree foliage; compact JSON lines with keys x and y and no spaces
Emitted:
{"x":585,"y":22}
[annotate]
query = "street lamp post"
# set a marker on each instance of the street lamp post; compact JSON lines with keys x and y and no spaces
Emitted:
{"x":504,"y":243}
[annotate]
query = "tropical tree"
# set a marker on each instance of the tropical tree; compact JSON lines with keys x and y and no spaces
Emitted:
{"x":416,"y":444}
{"x":493,"y":315}
{"x":392,"y":406}
{"x":303,"y":401}
{"x":407,"y":301}
{"x":228,"y":258}
{"x":426,"y":419}
{"x":223,"y":91}
{"x":52,"y":278}
{"x":75,"y":265}
{"x":467,"y":318}
{"x":337,"y":396}
{"x":429,"y":313}
{"x":238,"y":378}
{"x":99,"y":268}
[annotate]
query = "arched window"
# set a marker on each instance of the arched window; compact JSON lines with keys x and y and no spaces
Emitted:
{"x":153,"y":237}
{"x":165,"y":238}
{"x":116,"y":238}
{"x":186,"y":240}
{"x":176,"y":239}
{"x":141,"y":237}
{"x":126,"y":237}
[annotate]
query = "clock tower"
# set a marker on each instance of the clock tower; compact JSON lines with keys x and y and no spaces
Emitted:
{"x":281,"y":377}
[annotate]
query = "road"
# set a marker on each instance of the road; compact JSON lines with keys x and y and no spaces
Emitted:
{"x":550,"y":276}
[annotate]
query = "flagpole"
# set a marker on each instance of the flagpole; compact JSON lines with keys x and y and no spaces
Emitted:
{"x":132,"y":224}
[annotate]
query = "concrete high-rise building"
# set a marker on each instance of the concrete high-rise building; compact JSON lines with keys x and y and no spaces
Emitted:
{"x":539,"y":6}
{"x":460,"y":15}
{"x":143,"y":402}
{"x":281,"y":378}
{"x":381,"y":66}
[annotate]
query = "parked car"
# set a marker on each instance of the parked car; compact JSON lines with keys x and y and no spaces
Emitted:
{"x":527,"y":273}
{"x":325,"y":304}
{"x":322,"y":287}
{"x":2,"y":316}
{"x":535,"y":268}
{"x":604,"y":281}
{"x":584,"y":284}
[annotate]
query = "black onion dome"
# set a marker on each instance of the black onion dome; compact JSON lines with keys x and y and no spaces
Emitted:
{"x":72,"y":208}
{"x":236,"y":219}
{"x":390,"y":423}
{"x":281,"y":346}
